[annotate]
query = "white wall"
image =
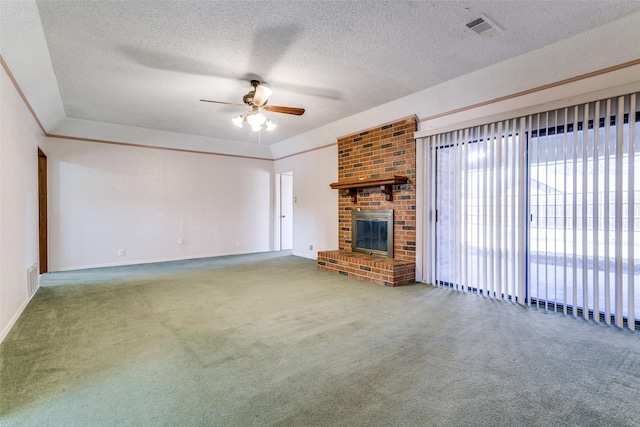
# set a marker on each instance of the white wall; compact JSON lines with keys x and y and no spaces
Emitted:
{"x":19,"y":140}
{"x":315,"y":210}
{"x":106,"y":197}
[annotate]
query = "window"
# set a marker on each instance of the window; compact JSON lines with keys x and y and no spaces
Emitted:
{"x":541,"y":210}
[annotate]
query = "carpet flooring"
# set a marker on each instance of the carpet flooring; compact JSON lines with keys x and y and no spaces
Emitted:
{"x":269,"y":340}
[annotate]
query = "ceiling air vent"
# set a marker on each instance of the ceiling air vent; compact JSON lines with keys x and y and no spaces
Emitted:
{"x":483,"y":26}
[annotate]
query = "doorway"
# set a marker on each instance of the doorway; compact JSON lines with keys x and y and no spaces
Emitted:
{"x":42,"y":212}
{"x":286,"y":211}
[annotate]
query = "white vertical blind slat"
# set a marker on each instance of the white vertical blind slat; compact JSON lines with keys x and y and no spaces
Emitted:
{"x":534,"y":159}
{"x":575,"y":212}
{"x":485,"y":159}
{"x":479,"y":147}
{"x":498,"y":211}
{"x":565,"y":272}
{"x":523,"y":216}
{"x":433,"y":211}
{"x":585,"y":191}
{"x":491,"y":138}
{"x":429,"y":188}
{"x":465,"y":212}
{"x":552,"y":159}
{"x":512,"y":207}
{"x":479,"y":217}
{"x":631,"y":215}
{"x":510,"y":239}
{"x":460,"y":201}
{"x":596,"y":263}
{"x":606,"y":199}
{"x":456,"y":206}
{"x":545,"y":208}
{"x":618,"y":209}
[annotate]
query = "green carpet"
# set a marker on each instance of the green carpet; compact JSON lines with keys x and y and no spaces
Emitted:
{"x":268,"y":340}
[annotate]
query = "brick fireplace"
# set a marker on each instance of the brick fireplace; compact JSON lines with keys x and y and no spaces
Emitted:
{"x":383,"y":157}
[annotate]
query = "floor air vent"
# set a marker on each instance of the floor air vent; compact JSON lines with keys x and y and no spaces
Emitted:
{"x":32,"y":280}
{"x":483,"y":26}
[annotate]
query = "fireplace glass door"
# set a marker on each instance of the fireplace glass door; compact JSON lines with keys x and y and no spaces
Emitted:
{"x":372,"y":235}
{"x":372,"y":232}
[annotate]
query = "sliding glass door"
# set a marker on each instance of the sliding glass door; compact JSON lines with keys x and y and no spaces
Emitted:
{"x":583,"y":194}
{"x":477,"y":187}
{"x":542,"y":210}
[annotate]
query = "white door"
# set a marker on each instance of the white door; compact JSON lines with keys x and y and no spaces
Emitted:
{"x":286,"y":211}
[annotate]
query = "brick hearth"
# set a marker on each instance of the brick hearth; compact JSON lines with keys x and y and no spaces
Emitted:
{"x":379,"y":152}
{"x":383,"y":271}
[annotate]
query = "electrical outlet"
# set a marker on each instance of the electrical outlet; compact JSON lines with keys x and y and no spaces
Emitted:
{"x":180,"y":242}
{"x":120,"y":252}
{"x":310,"y":247}
{"x":238,"y":244}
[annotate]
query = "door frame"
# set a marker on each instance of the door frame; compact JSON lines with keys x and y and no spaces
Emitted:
{"x":43,"y":244}
{"x":279,"y":209}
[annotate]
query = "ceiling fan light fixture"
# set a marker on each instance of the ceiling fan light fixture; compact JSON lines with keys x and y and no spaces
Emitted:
{"x":256,"y":119}
{"x":261,"y":93}
{"x":256,"y":100}
{"x":238,"y":121}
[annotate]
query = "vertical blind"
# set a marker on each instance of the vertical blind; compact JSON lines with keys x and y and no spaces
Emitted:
{"x":541,"y":210}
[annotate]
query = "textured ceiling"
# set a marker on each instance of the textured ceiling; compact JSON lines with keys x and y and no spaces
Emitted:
{"x":147,"y":64}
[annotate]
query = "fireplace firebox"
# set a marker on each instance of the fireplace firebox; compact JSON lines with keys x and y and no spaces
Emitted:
{"x":372,"y":232}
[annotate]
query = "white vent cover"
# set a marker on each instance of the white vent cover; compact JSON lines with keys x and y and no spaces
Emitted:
{"x":483,"y":26}
{"x":32,"y":280}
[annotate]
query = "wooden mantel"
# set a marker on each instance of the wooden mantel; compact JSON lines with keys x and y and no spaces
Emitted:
{"x":385,"y":184}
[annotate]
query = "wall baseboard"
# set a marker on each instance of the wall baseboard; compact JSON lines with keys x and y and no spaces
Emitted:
{"x":15,"y":318}
{"x":155,"y":260}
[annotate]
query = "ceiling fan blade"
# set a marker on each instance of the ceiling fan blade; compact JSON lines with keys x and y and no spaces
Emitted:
{"x":221,"y":102}
{"x":261,"y":95}
{"x":284,"y":110}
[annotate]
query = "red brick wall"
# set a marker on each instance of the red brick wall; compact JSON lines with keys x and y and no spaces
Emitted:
{"x":376,"y":153}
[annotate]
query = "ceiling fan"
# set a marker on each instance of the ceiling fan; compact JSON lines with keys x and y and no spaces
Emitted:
{"x":257,"y":100}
